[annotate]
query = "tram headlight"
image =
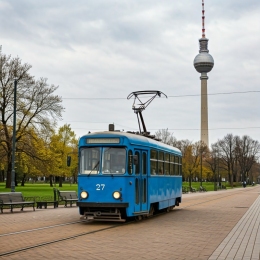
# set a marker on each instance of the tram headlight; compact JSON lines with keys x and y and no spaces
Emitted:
{"x":117,"y":195}
{"x":83,"y":194}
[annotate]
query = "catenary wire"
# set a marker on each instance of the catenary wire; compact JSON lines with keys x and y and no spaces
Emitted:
{"x":170,"y":96}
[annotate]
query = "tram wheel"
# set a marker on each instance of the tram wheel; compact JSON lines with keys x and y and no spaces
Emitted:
{"x":138,"y":218}
{"x":168,"y":209}
{"x":151,"y":212}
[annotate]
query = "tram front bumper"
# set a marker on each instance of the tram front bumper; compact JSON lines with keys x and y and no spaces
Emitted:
{"x":102,"y":211}
{"x":101,"y":205}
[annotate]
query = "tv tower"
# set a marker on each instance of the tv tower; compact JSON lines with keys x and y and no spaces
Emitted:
{"x":204,"y":63}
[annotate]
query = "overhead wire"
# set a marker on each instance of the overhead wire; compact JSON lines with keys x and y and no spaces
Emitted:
{"x":171,"y":96}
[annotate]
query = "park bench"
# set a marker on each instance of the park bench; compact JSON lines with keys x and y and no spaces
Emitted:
{"x":222,"y":187}
{"x":185,"y":189}
{"x":14,"y":199}
{"x":202,"y":188}
{"x":192,"y":189}
{"x":68,"y":197}
{"x":44,"y":201}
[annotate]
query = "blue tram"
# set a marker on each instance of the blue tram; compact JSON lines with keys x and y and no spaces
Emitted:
{"x":123,"y":175}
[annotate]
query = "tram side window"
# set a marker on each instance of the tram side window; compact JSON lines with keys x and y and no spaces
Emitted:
{"x":167,"y":164}
{"x":172,"y":165}
{"x":180,"y":167}
{"x":177,"y":165}
{"x":161,"y":163}
{"x":153,"y":162}
{"x":130,"y":162}
{"x":137,"y":166}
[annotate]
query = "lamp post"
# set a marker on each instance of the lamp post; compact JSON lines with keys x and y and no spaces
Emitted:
{"x":14,"y":138}
{"x":201,"y":167}
{"x":216,"y":171}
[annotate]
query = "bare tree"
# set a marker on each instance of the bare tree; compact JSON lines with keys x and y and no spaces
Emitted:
{"x":165,"y":136}
{"x":213,"y":161}
{"x":247,"y":151}
{"x":183,"y":145}
{"x":37,"y":106}
{"x":227,"y":148}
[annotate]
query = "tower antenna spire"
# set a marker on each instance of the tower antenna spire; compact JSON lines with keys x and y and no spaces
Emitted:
{"x":203,"y":20}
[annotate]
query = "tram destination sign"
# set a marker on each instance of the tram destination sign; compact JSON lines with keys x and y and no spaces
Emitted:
{"x":103,"y":140}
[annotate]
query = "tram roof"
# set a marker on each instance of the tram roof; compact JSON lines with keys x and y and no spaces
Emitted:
{"x":133,"y":139}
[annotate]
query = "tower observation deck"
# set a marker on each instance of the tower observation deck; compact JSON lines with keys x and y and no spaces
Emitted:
{"x":204,"y":63}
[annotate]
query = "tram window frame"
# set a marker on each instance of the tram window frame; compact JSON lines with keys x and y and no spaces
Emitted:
{"x":112,"y":158}
{"x":137,"y":166}
{"x":166,"y":164}
{"x":153,"y":162}
{"x":172,"y":165}
{"x":130,"y":168}
{"x":169,"y":162}
{"x":153,"y":154}
{"x":160,"y":163}
{"x":177,"y":165}
{"x":90,"y":158}
{"x":180,"y":166}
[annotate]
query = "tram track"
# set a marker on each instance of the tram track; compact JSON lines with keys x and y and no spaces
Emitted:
{"x":210,"y":200}
{"x":37,"y":229}
{"x":95,"y":228}
{"x":55,"y":241}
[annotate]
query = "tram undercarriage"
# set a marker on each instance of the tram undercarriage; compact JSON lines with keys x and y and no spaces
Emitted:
{"x":110,"y":212}
{"x":102,"y":215}
{"x":103,"y":211}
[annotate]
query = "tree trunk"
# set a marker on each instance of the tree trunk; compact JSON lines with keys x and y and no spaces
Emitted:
{"x":190,"y":180}
{"x":51,"y":183}
{"x":2,"y":175}
{"x":75,"y":177}
{"x":60,"y":181}
{"x":8,"y":175}
{"x":23,"y":179}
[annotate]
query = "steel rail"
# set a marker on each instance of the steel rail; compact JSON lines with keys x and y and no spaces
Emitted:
{"x":40,"y":228}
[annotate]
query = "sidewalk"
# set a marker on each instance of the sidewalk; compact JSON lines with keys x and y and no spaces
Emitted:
{"x":243,"y":242}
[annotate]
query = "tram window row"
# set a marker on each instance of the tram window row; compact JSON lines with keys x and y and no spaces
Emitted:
{"x":162,"y":163}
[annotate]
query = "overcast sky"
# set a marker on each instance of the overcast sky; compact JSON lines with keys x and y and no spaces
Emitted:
{"x":99,"y":51}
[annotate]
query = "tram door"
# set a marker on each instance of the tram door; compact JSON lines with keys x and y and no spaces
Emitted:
{"x":141,"y":203}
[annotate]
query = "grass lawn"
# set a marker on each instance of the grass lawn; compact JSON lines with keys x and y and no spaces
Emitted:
{"x":208,"y":185}
{"x":39,"y":189}
{"x":44,"y":189}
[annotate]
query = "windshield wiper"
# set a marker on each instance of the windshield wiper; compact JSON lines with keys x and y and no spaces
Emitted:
{"x":96,"y":165}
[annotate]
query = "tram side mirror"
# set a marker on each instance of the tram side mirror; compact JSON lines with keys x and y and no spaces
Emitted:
{"x":135,"y":159}
{"x":68,"y":160}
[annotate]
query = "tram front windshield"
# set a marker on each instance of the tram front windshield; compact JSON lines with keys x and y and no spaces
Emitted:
{"x":103,"y":160}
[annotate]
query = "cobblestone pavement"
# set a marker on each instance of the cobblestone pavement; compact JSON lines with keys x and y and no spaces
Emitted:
{"x":243,"y":242}
{"x":201,"y":228}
